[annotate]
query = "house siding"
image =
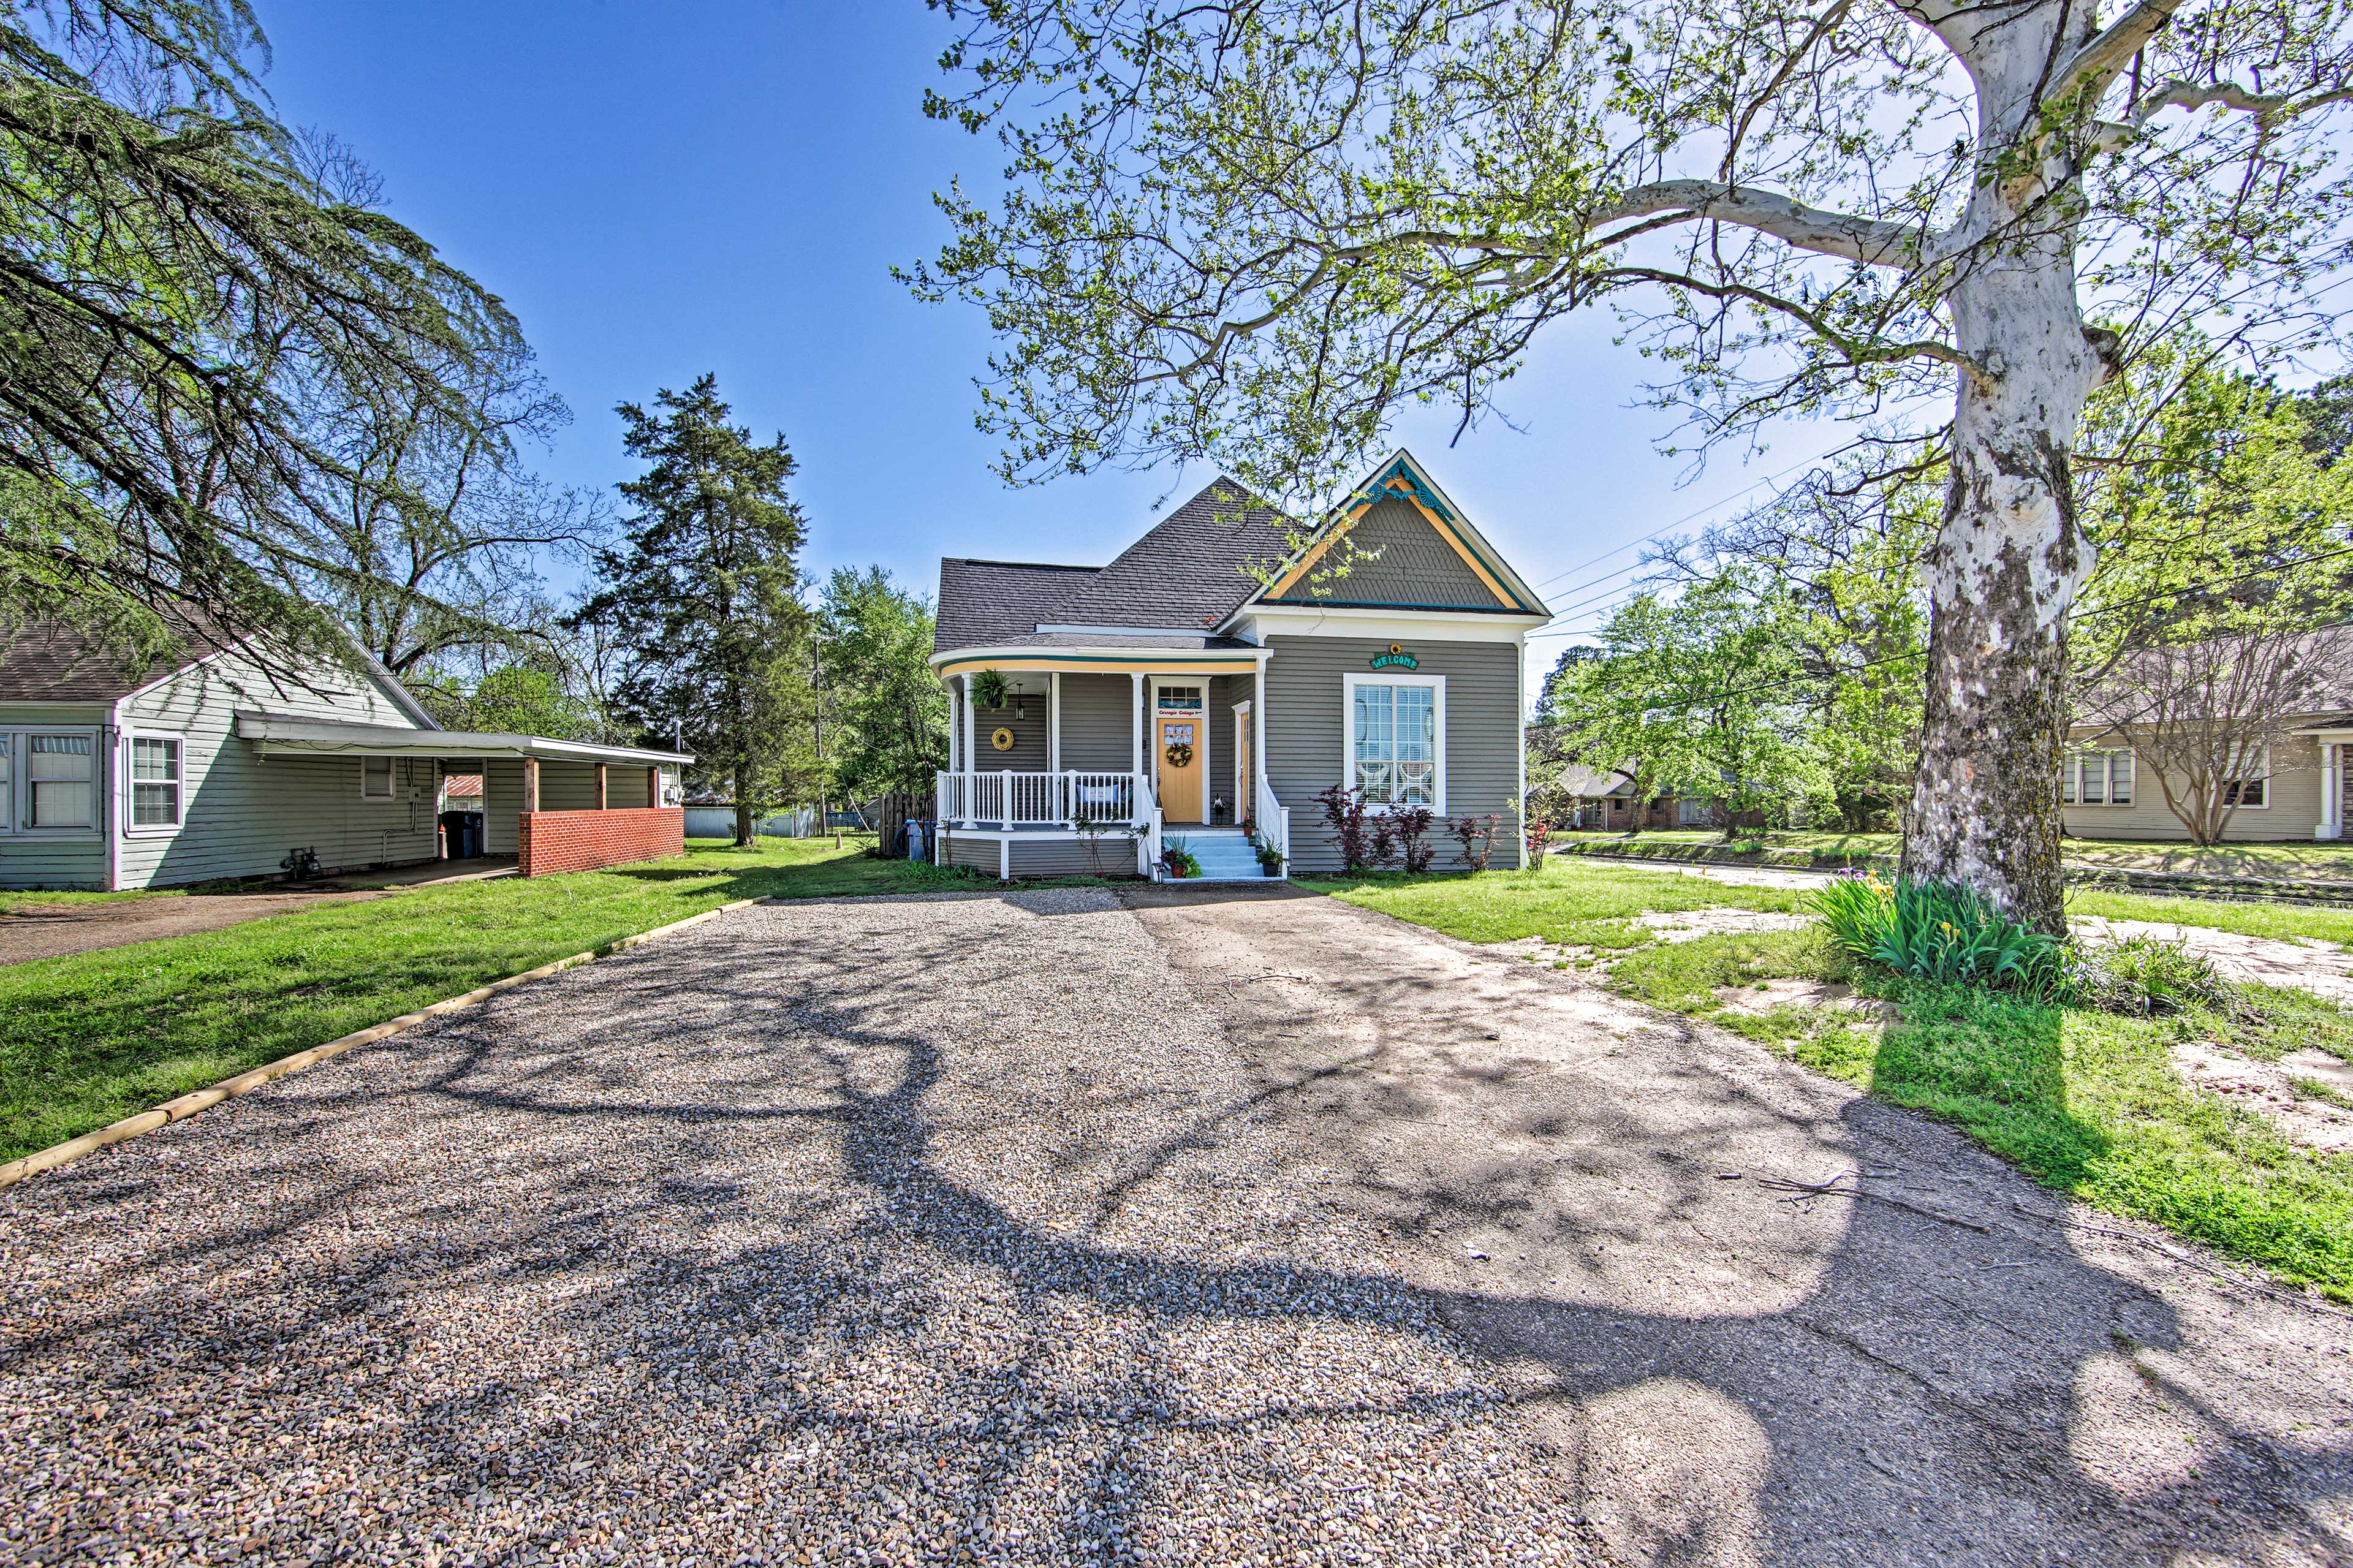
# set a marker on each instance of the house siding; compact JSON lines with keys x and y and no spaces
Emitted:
{"x":1098,"y":728}
{"x":57,"y":860}
{"x":242,"y":813}
{"x":1024,"y":715}
{"x":2292,"y":814}
{"x":1306,"y":734}
{"x":1412,"y":566}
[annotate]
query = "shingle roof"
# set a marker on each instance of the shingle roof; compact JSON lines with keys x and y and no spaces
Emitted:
{"x":1189,"y":570}
{"x":44,"y":661}
{"x":988,"y":604}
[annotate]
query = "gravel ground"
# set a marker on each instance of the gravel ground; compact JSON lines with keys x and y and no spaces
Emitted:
{"x":868,"y":1231}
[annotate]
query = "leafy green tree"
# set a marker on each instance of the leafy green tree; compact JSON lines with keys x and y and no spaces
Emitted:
{"x":705,"y":592}
{"x":1702,"y":694}
{"x":886,"y":713}
{"x":193,"y":322}
{"x":523,"y":699}
{"x":1250,"y":234}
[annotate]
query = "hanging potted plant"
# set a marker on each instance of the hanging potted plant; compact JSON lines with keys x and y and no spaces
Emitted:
{"x":989,"y":688}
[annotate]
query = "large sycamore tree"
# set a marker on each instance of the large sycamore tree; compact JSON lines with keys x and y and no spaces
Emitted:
{"x":1254,"y":232}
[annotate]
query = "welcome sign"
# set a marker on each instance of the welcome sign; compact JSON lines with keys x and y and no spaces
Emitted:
{"x":1396,"y":658}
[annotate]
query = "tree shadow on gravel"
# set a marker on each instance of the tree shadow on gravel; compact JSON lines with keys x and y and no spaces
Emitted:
{"x":1949,"y":1440}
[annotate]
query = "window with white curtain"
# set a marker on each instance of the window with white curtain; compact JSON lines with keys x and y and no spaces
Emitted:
{"x":60,"y":779}
{"x":154,"y":781}
{"x":2252,"y":787}
{"x":1394,"y":741}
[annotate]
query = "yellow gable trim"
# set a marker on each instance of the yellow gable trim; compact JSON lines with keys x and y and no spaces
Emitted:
{"x":1315,"y":553}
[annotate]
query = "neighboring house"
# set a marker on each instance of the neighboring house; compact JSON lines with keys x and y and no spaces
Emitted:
{"x":208,"y":766}
{"x":2295,"y":788}
{"x":1604,"y":798}
{"x":1178,"y":692}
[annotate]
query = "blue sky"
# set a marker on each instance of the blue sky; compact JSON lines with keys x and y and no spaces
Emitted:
{"x":661,"y":190}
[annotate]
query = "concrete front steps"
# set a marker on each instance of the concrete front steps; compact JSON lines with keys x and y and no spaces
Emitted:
{"x":1224,"y":853}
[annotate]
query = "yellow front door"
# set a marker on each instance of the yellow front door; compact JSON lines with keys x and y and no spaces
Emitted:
{"x":1180,"y":770}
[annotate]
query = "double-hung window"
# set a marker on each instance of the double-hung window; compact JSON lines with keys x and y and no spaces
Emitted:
{"x":60,"y":781}
{"x":154,"y":781}
{"x":376,"y":778}
{"x":2093,"y":776}
{"x":1396,"y":749}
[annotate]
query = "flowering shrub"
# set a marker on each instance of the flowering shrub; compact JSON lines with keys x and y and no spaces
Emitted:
{"x":1539,"y":830}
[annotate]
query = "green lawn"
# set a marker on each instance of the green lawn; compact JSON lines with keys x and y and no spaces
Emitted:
{"x":89,"y":1038}
{"x":2085,"y":1102}
{"x":2333,"y":861}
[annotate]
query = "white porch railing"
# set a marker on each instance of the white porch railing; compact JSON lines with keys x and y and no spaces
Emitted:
{"x":1273,"y":820}
{"x":1006,"y":798}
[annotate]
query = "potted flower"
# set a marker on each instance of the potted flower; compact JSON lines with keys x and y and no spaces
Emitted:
{"x":1270,"y":859}
{"x":1177,"y":860}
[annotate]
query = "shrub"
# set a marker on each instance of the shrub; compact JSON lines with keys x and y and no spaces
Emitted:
{"x":1939,"y":930}
{"x":1411,"y":827}
{"x":1353,"y":836}
{"x":1477,"y":836}
{"x":1538,"y":831}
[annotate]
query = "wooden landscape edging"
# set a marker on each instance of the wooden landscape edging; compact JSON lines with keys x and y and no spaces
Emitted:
{"x":188,"y":1104}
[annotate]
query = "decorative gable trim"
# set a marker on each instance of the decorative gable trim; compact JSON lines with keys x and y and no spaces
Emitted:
{"x":1401,"y":479}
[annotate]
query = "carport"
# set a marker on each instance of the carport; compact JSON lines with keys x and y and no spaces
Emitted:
{"x":555,"y":805}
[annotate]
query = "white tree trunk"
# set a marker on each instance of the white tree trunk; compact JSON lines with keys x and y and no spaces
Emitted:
{"x":2008,"y":558}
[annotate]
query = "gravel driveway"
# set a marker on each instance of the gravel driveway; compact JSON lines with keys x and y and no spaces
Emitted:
{"x":1213,"y":1228}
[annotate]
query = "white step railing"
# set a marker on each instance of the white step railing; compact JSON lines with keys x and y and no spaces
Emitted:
{"x":1027,"y":798}
{"x":1273,"y":820}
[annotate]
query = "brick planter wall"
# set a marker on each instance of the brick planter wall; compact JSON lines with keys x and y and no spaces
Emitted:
{"x":554,"y":842}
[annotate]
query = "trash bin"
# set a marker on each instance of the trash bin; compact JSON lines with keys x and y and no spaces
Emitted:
{"x":918,"y":840}
{"x":461,"y":835}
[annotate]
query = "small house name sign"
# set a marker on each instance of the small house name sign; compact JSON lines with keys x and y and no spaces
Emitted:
{"x":1396,"y":658}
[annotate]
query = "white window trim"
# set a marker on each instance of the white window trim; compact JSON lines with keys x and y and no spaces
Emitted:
{"x":130,"y":782}
{"x":2071,"y":795}
{"x":20,"y":784}
{"x":2266,"y":776}
{"x":391,"y":780}
{"x":1349,"y":682}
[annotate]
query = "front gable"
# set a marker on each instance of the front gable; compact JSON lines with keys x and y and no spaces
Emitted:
{"x":1407,"y":548}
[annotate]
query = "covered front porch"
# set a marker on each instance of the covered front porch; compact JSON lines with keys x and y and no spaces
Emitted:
{"x":1058,"y":763}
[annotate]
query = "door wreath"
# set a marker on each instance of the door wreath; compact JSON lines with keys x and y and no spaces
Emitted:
{"x":1179,"y":754}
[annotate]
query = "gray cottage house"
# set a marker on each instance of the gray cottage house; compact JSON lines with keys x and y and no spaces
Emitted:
{"x":208,"y":766}
{"x":1212,"y":681}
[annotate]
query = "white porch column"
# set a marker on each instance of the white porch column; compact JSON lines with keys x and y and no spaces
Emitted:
{"x":1054,"y":721}
{"x":1258,"y":736}
{"x":965,"y":683}
{"x":2332,"y":792}
{"x":955,"y":726}
{"x":1136,"y":719}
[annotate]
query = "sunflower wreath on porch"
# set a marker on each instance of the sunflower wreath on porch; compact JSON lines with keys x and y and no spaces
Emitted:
{"x":1179,"y":754}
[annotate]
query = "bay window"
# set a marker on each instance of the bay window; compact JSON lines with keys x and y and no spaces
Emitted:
{"x":1397,"y":740}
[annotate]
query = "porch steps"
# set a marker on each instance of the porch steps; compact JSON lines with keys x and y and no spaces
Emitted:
{"x":1224,"y":853}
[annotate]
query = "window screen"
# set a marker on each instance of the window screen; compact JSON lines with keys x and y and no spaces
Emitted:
{"x":375,"y":777}
{"x":59,"y":774}
{"x":155,"y":781}
{"x":1396,"y":744}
